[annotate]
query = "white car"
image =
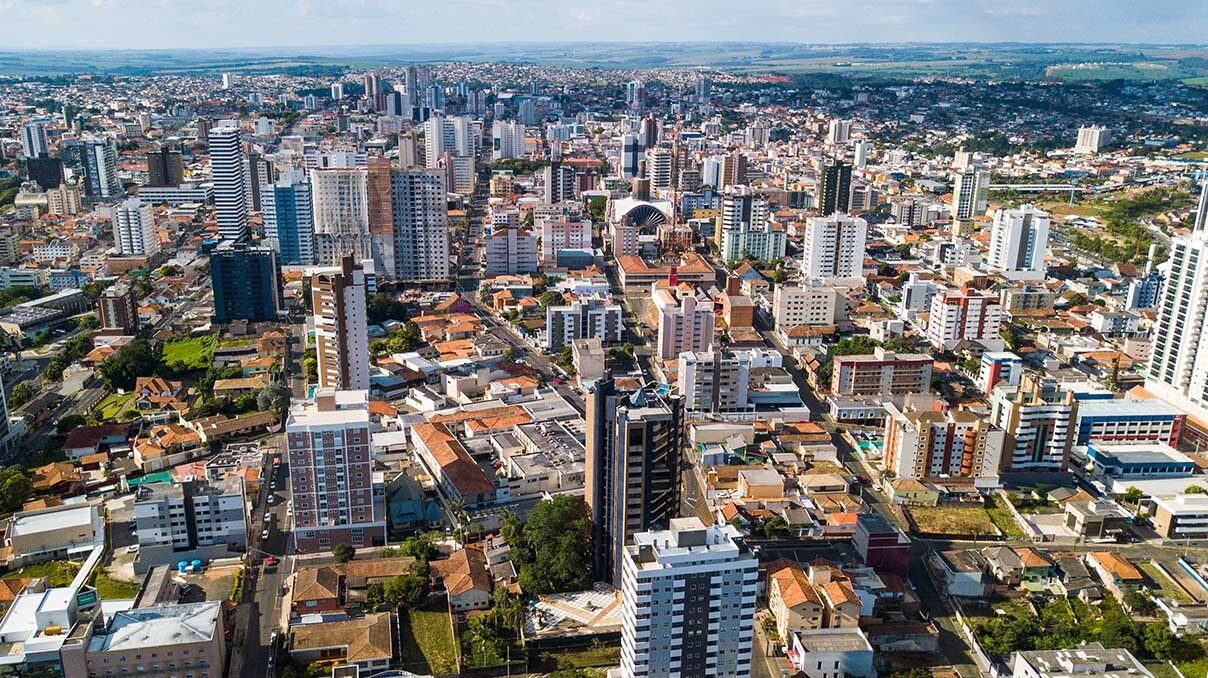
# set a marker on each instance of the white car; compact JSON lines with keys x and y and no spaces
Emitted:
{"x":268,"y":517}
{"x":133,"y":548}
{"x":264,"y":534}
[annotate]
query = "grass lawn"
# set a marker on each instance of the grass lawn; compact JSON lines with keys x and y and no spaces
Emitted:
{"x":586,"y":657}
{"x":427,"y":642}
{"x":113,"y":589}
{"x":194,"y":353}
{"x":112,"y":405}
{"x":1003,"y":520}
{"x":1191,"y":669}
{"x":1169,"y":588}
{"x":57,"y":572}
{"x":952,"y":520}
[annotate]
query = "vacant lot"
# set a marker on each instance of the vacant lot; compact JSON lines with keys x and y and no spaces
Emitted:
{"x":190,"y":353}
{"x":1169,"y":588}
{"x":427,"y":642}
{"x":114,"y":589}
{"x":953,"y":520}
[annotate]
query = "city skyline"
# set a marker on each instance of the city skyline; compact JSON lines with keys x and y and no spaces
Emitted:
{"x":83,"y":24}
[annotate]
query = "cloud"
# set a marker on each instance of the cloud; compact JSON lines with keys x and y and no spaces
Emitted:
{"x":32,"y":24}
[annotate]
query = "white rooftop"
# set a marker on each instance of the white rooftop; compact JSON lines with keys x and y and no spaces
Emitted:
{"x":47,"y":520}
{"x":158,"y":627}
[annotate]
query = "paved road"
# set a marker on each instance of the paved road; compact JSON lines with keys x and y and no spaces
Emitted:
{"x":263,"y":605}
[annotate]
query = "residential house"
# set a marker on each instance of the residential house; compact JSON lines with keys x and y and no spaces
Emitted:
{"x":465,"y":579}
{"x":1117,"y":574}
{"x":367,"y":642}
{"x":961,"y":571}
{"x":317,"y":590}
{"x":160,"y":400}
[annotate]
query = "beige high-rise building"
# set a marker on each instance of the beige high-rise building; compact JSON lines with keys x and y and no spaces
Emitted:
{"x":341,"y":327}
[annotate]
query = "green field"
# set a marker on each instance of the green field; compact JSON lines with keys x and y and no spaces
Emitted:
{"x":192,"y":353}
{"x":952,"y":520}
{"x":1169,"y":588}
{"x":57,"y":572}
{"x":583,"y":658}
{"x":112,"y":405}
{"x":427,"y":640}
{"x":114,"y":589}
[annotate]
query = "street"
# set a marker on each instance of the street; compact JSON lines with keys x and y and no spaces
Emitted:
{"x":260,"y":610}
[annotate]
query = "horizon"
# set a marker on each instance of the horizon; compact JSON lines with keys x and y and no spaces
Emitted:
{"x":275,"y":24}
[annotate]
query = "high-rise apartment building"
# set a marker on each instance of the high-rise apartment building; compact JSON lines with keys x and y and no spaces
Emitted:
{"x":688,"y":602}
{"x":33,"y":140}
{"x":741,"y":210}
{"x":563,"y":233}
{"x":96,"y":159}
{"x":632,"y":154}
{"x":165,"y":167}
{"x":336,"y":498}
{"x":965,"y":315}
{"x":134,"y":229}
{"x":632,"y":469}
{"x":834,"y":188}
{"x":833,"y":248}
{"x":246,"y":281}
{"x":1018,"y":241}
{"x":970,"y":192}
{"x":560,"y":182}
{"x":684,"y":323}
{"x":118,"y":308}
{"x":996,"y":367}
{"x":732,"y":169}
{"x":881,"y":373}
{"x":1092,"y":139}
{"x":660,"y":163}
{"x":1178,"y":366}
{"x":718,"y":380}
{"x":582,"y":319}
{"x":1038,"y":417}
{"x":341,"y":214}
{"x":341,"y":326}
{"x":810,"y":303}
{"x":48,"y":172}
{"x":509,"y":251}
{"x":930,"y":443}
{"x":289,"y":220}
{"x":508,"y":140}
{"x":420,"y":225}
{"x":453,"y":136}
{"x":838,"y":132}
{"x":230,"y":188}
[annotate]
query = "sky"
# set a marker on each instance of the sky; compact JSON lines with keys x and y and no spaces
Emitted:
{"x":160,"y":24}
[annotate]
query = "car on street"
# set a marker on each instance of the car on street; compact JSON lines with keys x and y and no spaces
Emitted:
{"x":133,"y":548}
{"x":264,"y":534}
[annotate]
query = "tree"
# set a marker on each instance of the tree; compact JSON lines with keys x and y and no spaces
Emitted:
{"x":1133,"y":495}
{"x":68,"y":422}
{"x":274,"y":397}
{"x":15,"y":489}
{"x":1195,"y":489}
{"x":557,"y":538}
{"x":134,"y":360}
{"x":343,"y":553}
{"x":551,"y":298}
{"x":419,"y":547}
{"x":88,"y":322}
{"x":22,"y":393}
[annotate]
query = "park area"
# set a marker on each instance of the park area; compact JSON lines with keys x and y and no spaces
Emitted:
{"x":427,"y":640}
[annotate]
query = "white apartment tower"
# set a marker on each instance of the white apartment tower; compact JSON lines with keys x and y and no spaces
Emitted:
{"x":341,"y":214}
{"x":452,"y":135}
{"x":659,"y":164}
{"x":970,"y":192}
{"x":838,"y":132}
{"x":688,"y":602}
{"x":230,"y":189}
{"x":341,"y":326}
{"x":1092,"y":139}
{"x":1178,"y":366}
{"x":1018,"y":241}
{"x":833,"y":248}
{"x":33,"y":140}
{"x":134,"y":229}
{"x":507,"y":140}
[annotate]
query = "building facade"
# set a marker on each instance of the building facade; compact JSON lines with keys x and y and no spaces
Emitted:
{"x":341,"y":326}
{"x":833,"y":248}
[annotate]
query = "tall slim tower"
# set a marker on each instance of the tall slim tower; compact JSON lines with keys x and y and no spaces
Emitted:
{"x":134,"y":228}
{"x":230,"y":190}
{"x":420,"y":225}
{"x":833,"y":248}
{"x":331,"y":479}
{"x":834,"y":188}
{"x":632,"y":470}
{"x":1178,"y":367}
{"x":289,"y":220}
{"x":1018,"y":242}
{"x":341,"y":328}
{"x":970,"y":191}
{"x":688,"y":602}
{"x":33,"y":140}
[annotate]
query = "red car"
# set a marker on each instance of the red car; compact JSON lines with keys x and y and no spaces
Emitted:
{"x":270,"y":561}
